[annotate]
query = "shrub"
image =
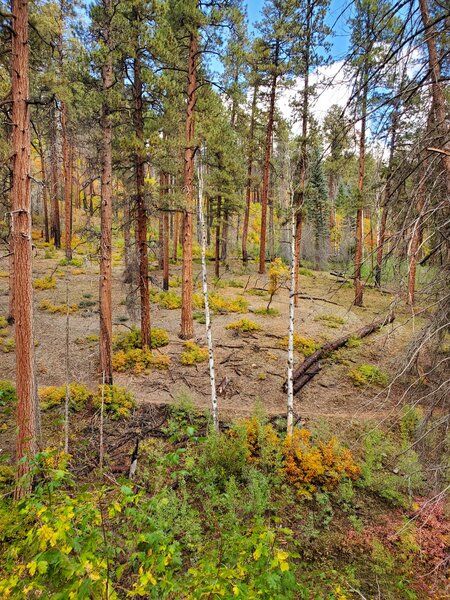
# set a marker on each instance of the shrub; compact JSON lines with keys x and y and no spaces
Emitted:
{"x":52,"y":396}
{"x":263,"y":446}
{"x":8,"y":345}
{"x":137,"y":361}
{"x":45,"y":283}
{"x":170,"y":299}
{"x":278,"y":275}
{"x":132,"y":339}
{"x":3,"y":322}
{"x":244,"y":326}
{"x":193,"y":354}
{"x":269,"y":312}
{"x":218,"y":303}
{"x":368,"y":374}
{"x":73,"y":262}
{"x":117,"y":401}
{"x":305,"y":346}
{"x":200,"y":317}
{"x":175,"y":281}
{"x":4,"y":274}
{"x":57,"y":308}
{"x":306,"y":272}
{"x":332,"y":321}
{"x":7,"y":393}
{"x":234,"y":283}
{"x":311,"y":466}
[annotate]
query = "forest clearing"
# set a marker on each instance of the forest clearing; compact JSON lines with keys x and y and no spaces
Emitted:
{"x":224,"y":300}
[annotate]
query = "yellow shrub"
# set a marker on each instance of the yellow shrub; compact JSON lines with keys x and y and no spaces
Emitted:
{"x":78,"y":271}
{"x":193,"y":354}
{"x":8,"y":345}
{"x":170,"y":300}
{"x":310,"y":465}
{"x":262,"y":441}
{"x":305,"y":346}
{"x":57,"y":308}
{"x":137,"y":361}
{"x":52,"y":396}
{"x":244,"y":326}
{"x":4,"y":274}
{"x":132,"y":339}
{"x":3,"y":322}
{"x":117,"y":401}
{"x":278,"y":275}
{"x":45,"y":283}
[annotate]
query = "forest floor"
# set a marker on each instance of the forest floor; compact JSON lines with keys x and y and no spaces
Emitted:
{"x":252,"y":365}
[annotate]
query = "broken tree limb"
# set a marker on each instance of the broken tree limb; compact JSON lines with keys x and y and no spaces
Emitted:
{"x":330,"y":347}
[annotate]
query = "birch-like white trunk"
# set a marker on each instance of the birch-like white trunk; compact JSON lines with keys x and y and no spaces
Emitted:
{"x":212,"y":376}
{"x":290,"y":356}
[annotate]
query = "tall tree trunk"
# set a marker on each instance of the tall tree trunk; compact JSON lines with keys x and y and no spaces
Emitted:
{"x":225,"y":236}
{"x":44,"y":191}
{"x":386,"y":200}
{"x":67,"y":183}
{"x":165,"y":219}
{"x":290,"y":353}
{"x":54,"y":188}
{"x":175,"y":237}
{"x":21,"y":245}
{"x":359,"y":212}
{"x":140,"y":205}
{"x":187,"y":322}
{"x":105,"y":345}
{"x":300,"y":196}
{"x":437,"y":91}
{"x":266,"y":166}
{"x":212,"y":376}
{"x":249,"y":177}
{"x":217,"y":249}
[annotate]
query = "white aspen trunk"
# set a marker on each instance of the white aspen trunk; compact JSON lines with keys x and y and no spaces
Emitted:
{"x":212,"y":376}
{"x":290,"y":355}
{"x":67,"y":397}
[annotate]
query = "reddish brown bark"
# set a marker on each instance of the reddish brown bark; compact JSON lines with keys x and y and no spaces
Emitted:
{"x":21,"y":245}
{"x":437,"y":91}
{"x":67,"y":183}
{"x":266,"y":166}
{"x":166,"y":237}
{"x":56,"y":225}
{"x":44,"y":191}
{"x":175,"y":237}
{"x":141,"y":223}
{"x":387,"y":197}
{"x":187,"y":322}
{"x":105,"y":342}
{"x":359,"y":213}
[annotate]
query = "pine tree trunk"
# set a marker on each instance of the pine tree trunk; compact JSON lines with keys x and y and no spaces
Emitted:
{"x":175,"y":237}
{"x":44,"y":191}
{"x":67,"y":184}
{"x":54,"y":188}
{"x":106,"y":209}
{"x":187,"y":322}
{"x":165,"y":235}
{"x":141,"y":224}
{"x":21,"y":245}
{"x":437,"y":91}
{"x":266,"y":167}
{"x":359,"y":213}
{"x":387,"y":198}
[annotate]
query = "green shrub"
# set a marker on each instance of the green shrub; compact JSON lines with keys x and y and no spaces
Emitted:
{"x":73,"y":262}
{"x":132,"y":339}
{"x":193,"y":354}
{"x":3,"y":322}
{"x":200,"y":317}
{"x":118,"y":402}
{"x":332,"y":321}
{"x":8,"y":345}
{"x":7,"y":393}
{"x":306,"y":272}
{"x":244,"y":326}
{"x":366,"y":374}
{"x":268,"y":312}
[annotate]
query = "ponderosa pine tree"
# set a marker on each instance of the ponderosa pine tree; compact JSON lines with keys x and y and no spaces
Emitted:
{"x":21,"y":245}
{"x":278,"y":37}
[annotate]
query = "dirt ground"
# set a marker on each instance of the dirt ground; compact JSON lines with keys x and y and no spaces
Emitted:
{"x":253,"y":366}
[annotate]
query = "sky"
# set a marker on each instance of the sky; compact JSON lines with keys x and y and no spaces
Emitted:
{"x":340,"y":91}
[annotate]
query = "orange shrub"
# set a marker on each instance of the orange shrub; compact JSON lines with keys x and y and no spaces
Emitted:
{"x":310,"y":465}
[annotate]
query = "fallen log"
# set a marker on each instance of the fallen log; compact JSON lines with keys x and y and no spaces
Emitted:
{"x":306,"y":377}
{"x":330,"y":347}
